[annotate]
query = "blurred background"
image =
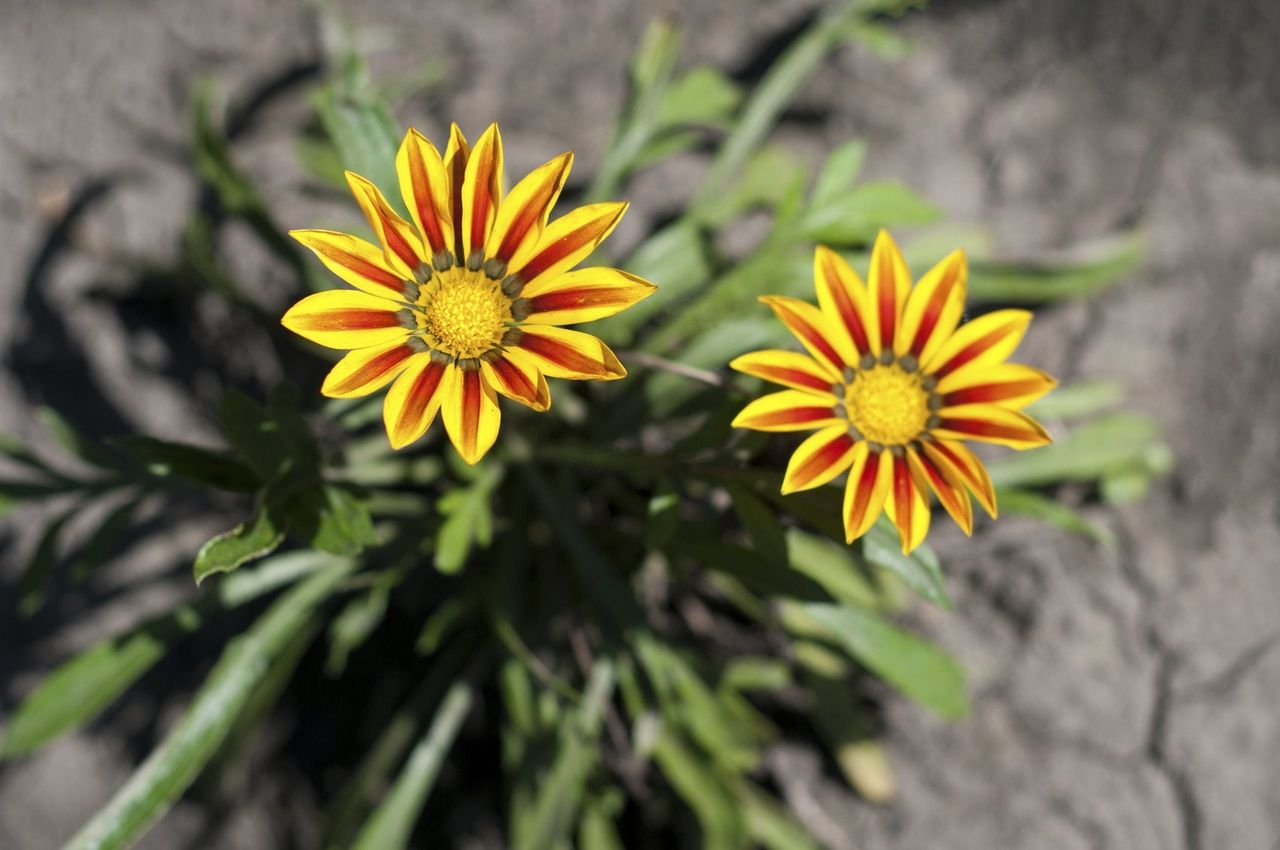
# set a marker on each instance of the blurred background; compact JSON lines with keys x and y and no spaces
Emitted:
{"x":1125,"y":696}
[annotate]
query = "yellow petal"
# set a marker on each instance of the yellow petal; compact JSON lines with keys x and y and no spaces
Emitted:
{"x":516,"y":375}
{"x":986,"y":340}
{"x":843,"y":299}
{"x":568,"y":241}
{"x":522,"y":217}
{"x":946,"y":485}
{"x":481,"y":192}
{"x":456,"y":155}
{"x":866,"y":490}
{"x":967,"y":467}
{"x":888,"y":282}
{"x":424,"y":183}
{"x":341,"y":318}
{"x":562,"y":353}
{"x":811,"y":327}
{"x":933,"y":308}
{"x":907,"y":505}
{"x":819,"y":459}
{"x":789,"y":368}
{"x":403,"y":248}
{"x":584,"y":296}
{"x":413,"y":400}
{"x":988,"y":423}
{"x":470,"y":413}
{"x":354,"y":260}
{"x":364,"y":370}
{"x":790,"y":410}
{"x":1006,"y":384}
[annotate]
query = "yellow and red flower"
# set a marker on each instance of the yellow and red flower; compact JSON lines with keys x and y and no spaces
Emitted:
{"x":467,"y":302}
{"x":891,"y":385}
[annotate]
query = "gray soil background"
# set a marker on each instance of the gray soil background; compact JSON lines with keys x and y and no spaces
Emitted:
{"x":1126,"y":697}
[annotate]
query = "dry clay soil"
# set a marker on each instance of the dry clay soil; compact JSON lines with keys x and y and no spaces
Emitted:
{"x":1126,"y":696}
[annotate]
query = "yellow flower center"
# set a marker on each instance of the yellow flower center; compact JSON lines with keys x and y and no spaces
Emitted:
{"x":463,"y":313}
{"x":887,"y":404}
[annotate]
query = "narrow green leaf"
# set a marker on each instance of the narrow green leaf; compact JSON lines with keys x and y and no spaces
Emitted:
{"x":174,"y":765}
{"x":921,"y":570}
{"x":468,"y":520}
{"x":1036,"y":506}
{"x":1089,"y":452}
{"x":854,"y":217}
{"x":361,"y":127}
{"x":244,"y":543}
{"x":72,"y":441}
{"x":720,"y":817}
{"x":914,"y":666}
{"x":165,"y":459}
{"x":80,"y":688}
{"x":770,"y":824}
{"x":703,"y":96}
{"x":253,"y":435}
{"x":392,"y":822}
{"x":34,"y":584}
{"x":832,"y":566}
{"x":760,"y":523}
{"x":358,"y":619}
{"x":1078,"y":400}
{"x":1048,"y":282}
{"x":838,"y":173}
{"x":100,"y":543}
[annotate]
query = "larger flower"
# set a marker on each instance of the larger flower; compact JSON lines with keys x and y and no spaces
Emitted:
{"x":893,"y":386}
{"x":466,"y":302}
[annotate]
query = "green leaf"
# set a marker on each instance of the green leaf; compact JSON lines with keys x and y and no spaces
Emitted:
{"x":720,"y":817}
{"x":761,"y":524}
{"x":920,"y":570}
{"x":164,"y":459}
{"x":244,"y":543}
{"x":770,"y":824}
{"x":174,"y":765}
{"x":77,"y":690}
{"x":838,"y":173}
{"x":361,"y":127}
{"x":1048,"y":282}
{"x":105,"y":537}
{"x":1116,"y":442}
{"x":1036,"y":506}
{"x":72,"y":441}
{"x":333,"y":519}
{"x":34,"y":585}
{"x":549,"y":819}
{"x":854,"y":217}
{"x":468,"y":520}
{"x":392,"y":822}
{"x":358,"y":619}
{"x":253,"y":435}
{"x":1077,"y":401}
{"x":703,"y":96}
{"x":831,"y":565}
{"x":754,"y":673}
{"x":914,"y":666}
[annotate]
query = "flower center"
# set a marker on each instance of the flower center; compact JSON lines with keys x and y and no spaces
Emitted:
{"x":887,"y":404}
{"x":462,"y":313}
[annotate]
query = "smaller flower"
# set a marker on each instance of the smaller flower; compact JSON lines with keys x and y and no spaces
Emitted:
{"x":892,"y":386}
{"x":467,"y":302}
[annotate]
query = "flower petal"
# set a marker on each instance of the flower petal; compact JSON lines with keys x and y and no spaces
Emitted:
{"x":403,"y":248}
{"x":866,"y":490}
{"x":516,"y":375}
{"x":364,"y":370}
{"x":810,"y":326}
{"x":907,"y":505}
{"x":424,"y":183}
{"x":888,"y":282}
{"x":789,"y":410}
{"x":946,"y":454}
{"x":988,"y":423}
{"x":819,"y":459}
{"x":470,"y":413}
{"x":456,"y":154}
{"x":356,"y":261}
{"x":523,"y":214}
{"x":948,"y":487}
{"x":987,"y":339}
{"x":1006,"y":384}
{"x":562,"y":353}
{"x":789,"y":368}
{"x":843,"y":298}
{"x":481,"y":192}
{"x":413,"y":400}
{"x":340,"y":318}
{"x":584,"y":296}
{"x":568,"y":241}
{"x":933,"y":308}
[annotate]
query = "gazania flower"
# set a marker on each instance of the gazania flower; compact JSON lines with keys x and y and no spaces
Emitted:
{"x":467,"y":302}
{"x":892,"y":386}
